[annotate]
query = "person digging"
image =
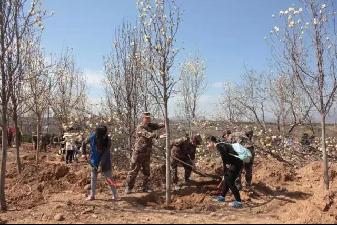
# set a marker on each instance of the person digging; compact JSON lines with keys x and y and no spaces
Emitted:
{"x":232,"y":166}
{"x":245,"y":139}
{"x":184,"y":150}
{"x":100,"y":156}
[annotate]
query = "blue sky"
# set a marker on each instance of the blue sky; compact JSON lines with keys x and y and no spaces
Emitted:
{"x":228,"y":34}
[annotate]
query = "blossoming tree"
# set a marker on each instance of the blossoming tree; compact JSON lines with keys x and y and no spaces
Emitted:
{"x":18,"y":19}
{"x":305,"y":44}
{"x":192,"y":86}
{"x":160,"y":20}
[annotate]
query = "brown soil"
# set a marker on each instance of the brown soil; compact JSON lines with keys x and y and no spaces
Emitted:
{"x":282,"y":194}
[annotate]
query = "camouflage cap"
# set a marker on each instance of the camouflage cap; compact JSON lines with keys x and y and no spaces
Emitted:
{"x":147,"y":114}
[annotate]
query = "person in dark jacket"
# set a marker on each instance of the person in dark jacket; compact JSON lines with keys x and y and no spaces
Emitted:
{"x":100,"y":156}
{"x":232,"y":168}
{"x":185,"y":150}
{"x":246,"y":140}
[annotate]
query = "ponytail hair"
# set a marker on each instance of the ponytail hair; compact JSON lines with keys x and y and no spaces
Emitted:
{"x":102,"y":139}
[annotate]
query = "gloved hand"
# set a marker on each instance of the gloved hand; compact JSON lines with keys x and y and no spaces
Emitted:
{"x":163,"y":136}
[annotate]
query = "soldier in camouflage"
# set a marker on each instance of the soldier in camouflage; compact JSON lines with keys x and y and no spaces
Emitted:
{"x":245,"y":139}
{"x":45,"y":140}
{"x":141,"y":157}
{"x":184,"y":149}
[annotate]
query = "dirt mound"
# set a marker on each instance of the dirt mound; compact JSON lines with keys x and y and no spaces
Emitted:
{"x":61,"y":171}
{"x":158,"y":176}
{"x":28,"y":157}
{"x":36,"y":184}
{"x":152,"y":199}
{"x":312,"y":173}
{"x":273,"y":172}
{"x":214,"y":166}
{"x":195,"y":201}
{"x":320,"y":206}
{"x":3,"y":221}
{"x":33,"y":186}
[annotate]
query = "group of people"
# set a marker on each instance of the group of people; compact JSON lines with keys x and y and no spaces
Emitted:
{"x":71,"y":144}
{"x":183,"y":154}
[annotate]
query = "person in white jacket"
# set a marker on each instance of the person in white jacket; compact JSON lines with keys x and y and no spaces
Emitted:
{"x":70,"y":145}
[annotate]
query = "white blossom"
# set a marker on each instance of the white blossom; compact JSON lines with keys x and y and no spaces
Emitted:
{"x":315,"y":21}
{"x":324,"y":19}
{"x":276,"y":29}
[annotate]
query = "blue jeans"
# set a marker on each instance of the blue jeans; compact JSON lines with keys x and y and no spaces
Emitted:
{"x":107,"y":175}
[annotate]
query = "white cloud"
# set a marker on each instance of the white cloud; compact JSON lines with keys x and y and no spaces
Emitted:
{"x":95,"y":84}
{"x":207,"y":108}
{"x":94,"y":78}
{"x":218,"y":85}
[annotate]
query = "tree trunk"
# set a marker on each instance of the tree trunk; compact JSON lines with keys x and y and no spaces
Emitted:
{"x":17,"y":140}
{"x":130,"y":141}
{"x":325,"y":156}
{"x":168,"y":156}
{"x":38,"y":137}
{"x":3,"y":205}
{"x":279,"y":126}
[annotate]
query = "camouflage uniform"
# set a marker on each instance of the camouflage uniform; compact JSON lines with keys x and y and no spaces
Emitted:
{"x":141,"y":157}
{"x":44,"y":141}
{"x":184,"y":150}
{"x":307,"y":140}
{"x":241,"y":138}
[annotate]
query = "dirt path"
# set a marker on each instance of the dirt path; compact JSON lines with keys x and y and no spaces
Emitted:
{"x":75,"y":210}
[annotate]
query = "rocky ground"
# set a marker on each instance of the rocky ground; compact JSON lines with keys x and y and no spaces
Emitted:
{"x":55,"y":193}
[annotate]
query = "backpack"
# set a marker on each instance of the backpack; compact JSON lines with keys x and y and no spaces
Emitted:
{"x":243,"y":153}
